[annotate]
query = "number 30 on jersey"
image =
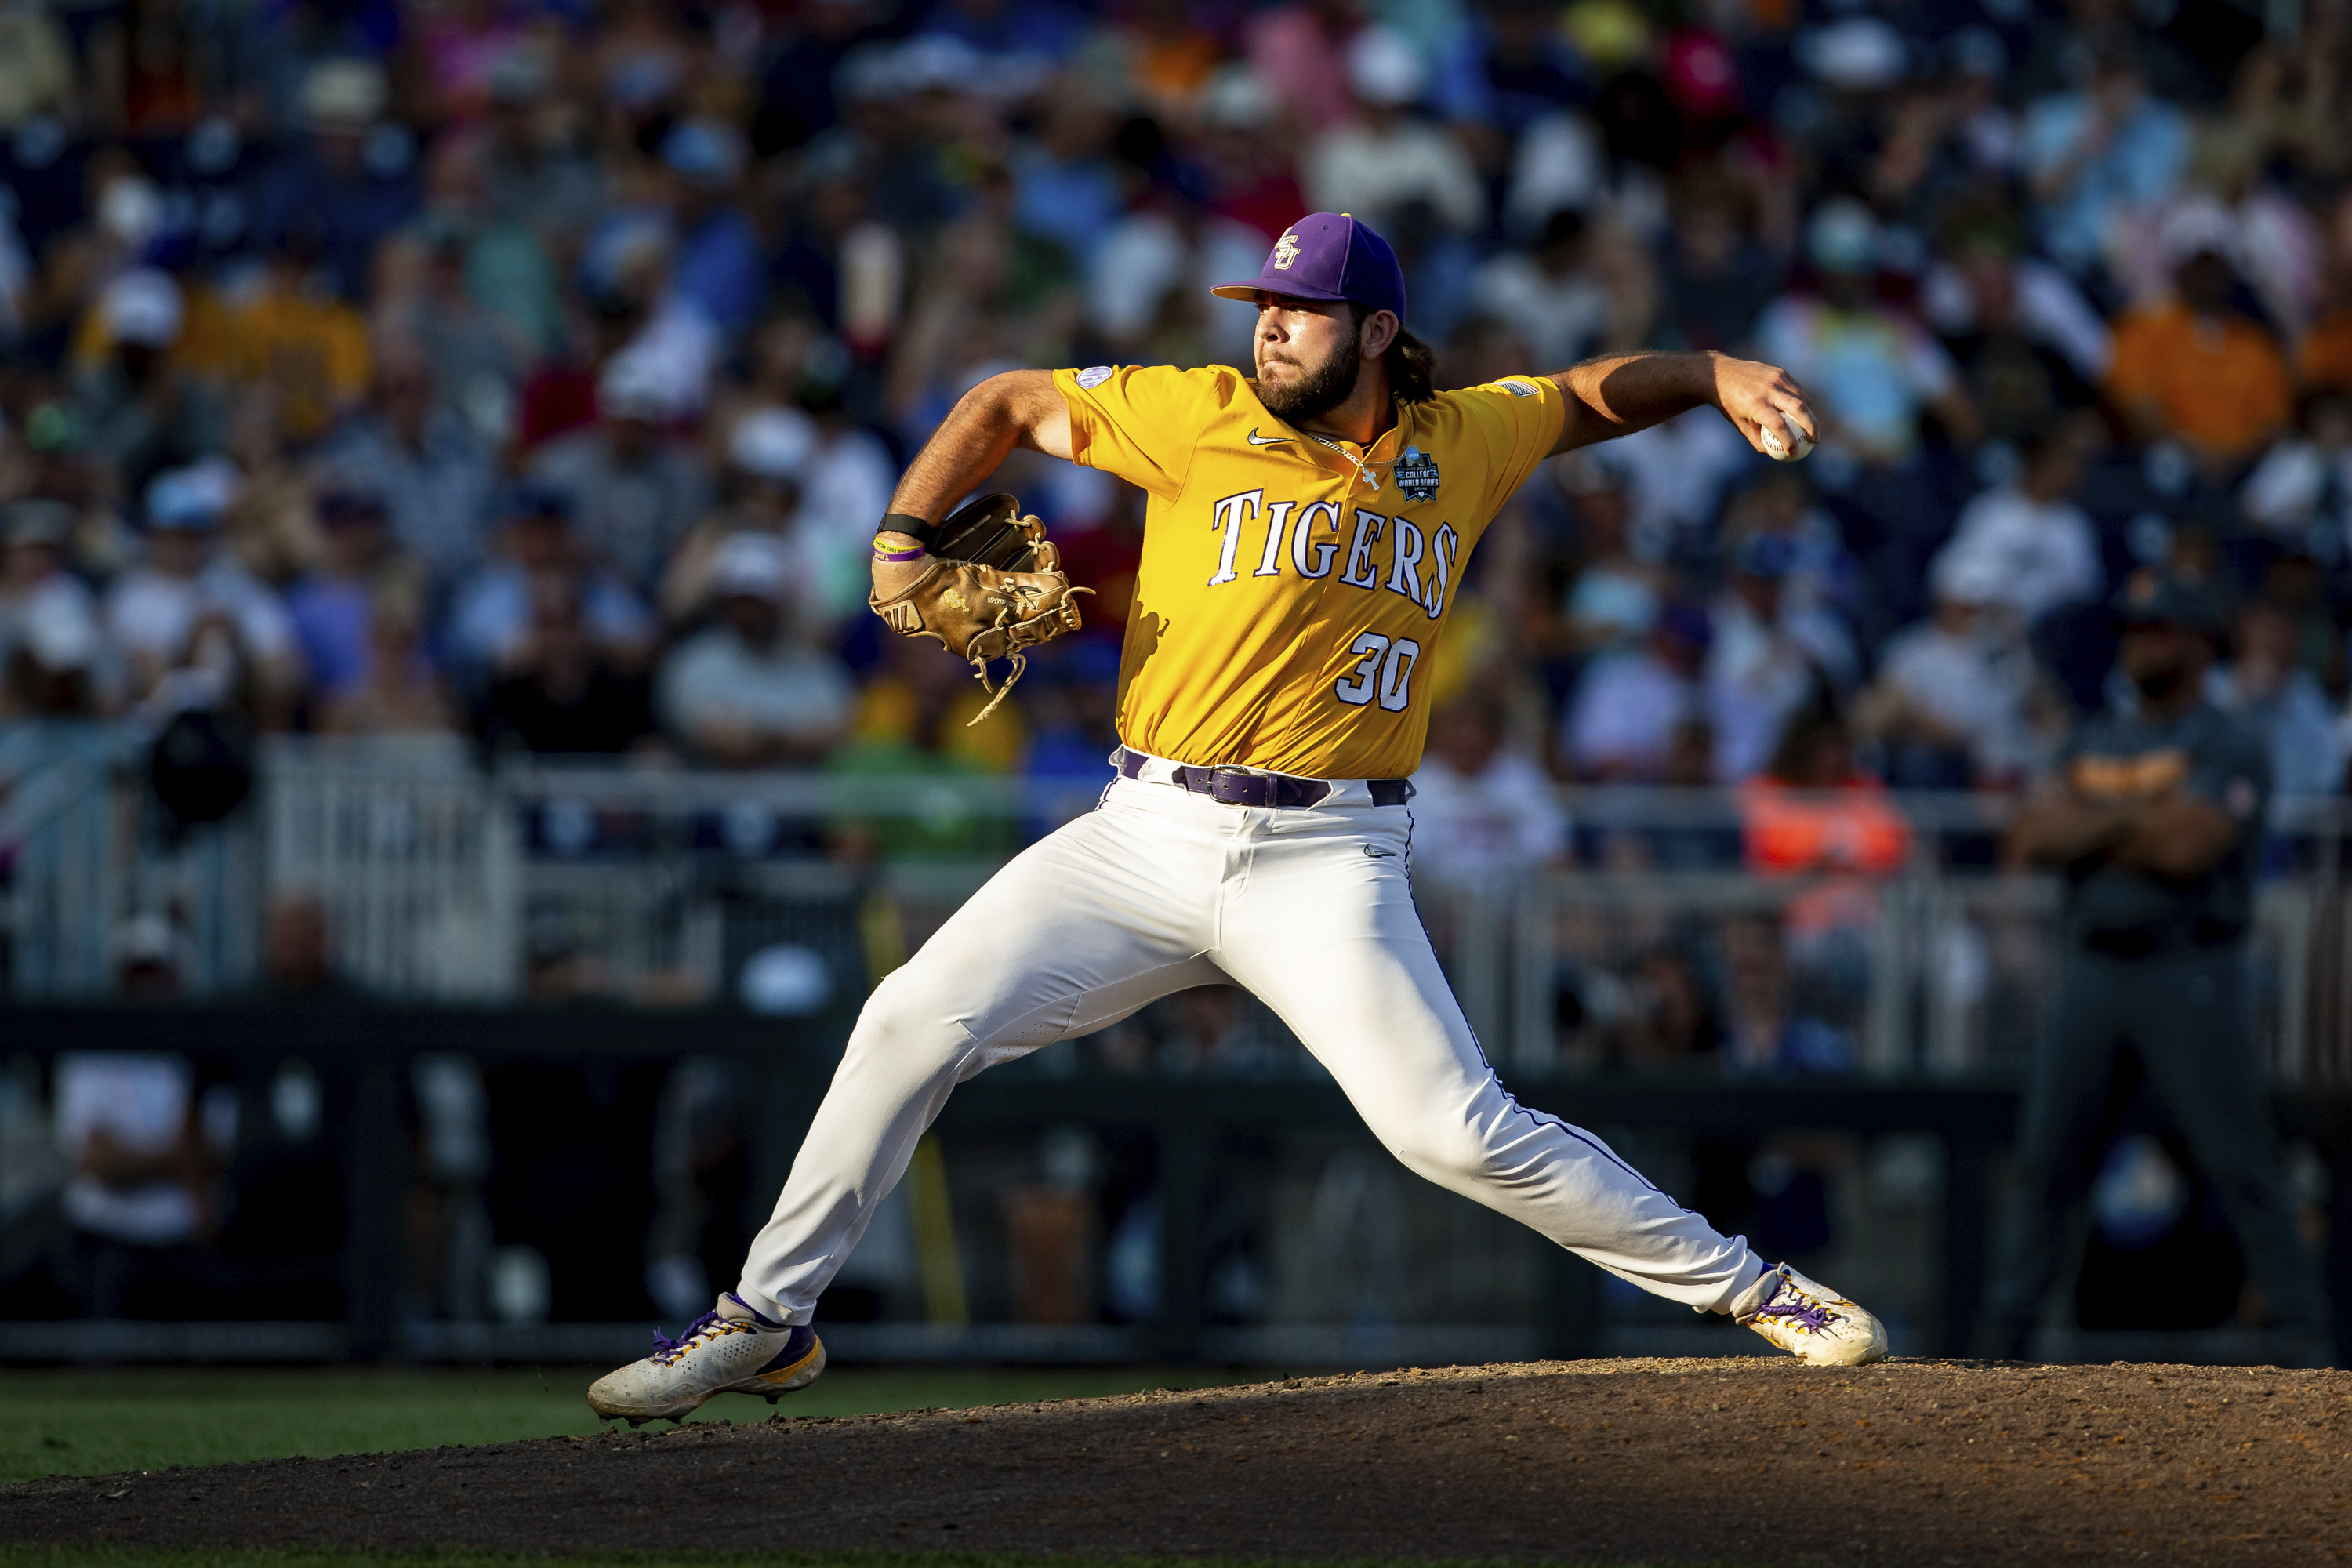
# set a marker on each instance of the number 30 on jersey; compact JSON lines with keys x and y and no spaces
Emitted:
{"x":1385,"y":671}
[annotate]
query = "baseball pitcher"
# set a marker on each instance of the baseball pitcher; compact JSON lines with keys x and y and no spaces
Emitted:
{"x":1306,"y":534}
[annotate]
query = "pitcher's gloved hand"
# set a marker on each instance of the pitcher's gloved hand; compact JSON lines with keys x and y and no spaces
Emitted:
{"x":994,"y":588}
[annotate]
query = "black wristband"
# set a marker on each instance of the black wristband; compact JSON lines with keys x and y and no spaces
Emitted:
{"x":914,"y":527}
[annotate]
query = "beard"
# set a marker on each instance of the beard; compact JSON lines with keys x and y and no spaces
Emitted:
{"x":2161,"y":683}
{"x":1320,"y":389}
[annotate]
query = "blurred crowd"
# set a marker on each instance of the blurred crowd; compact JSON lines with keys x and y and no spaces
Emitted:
{"x":536,"y":370}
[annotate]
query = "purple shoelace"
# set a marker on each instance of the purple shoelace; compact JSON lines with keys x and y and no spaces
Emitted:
{"x":1802,"y":1308}
{"x":665,"y":1345}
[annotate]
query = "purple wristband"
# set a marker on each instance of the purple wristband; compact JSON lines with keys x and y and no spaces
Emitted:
{"x":900,"y":555}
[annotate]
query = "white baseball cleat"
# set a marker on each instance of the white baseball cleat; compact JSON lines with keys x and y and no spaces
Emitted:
{"x":1812,"y":1322}
{"x":731,"y":1349}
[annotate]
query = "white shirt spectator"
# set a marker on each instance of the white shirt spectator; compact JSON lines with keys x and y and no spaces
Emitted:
{"x":1373,"y":171}
{"x":2296,"y":483}
{"x":1502,"y":819}
{"x":1674,"y":475}
{"x":746,"y":691}
{"x":141,"y":1103}
{"x":55,"y":623}
{"x":1759,"y":671}
{"x":1974,"y":685}
{"x":786,"y":692}
{"x":1560,"y":163}
{"x":2045,"y":306}
{"x":151,"y":614}
{"x":1559,"y":315}
{"x":846,"y":490}
{"x":2036,"y":555}
{"x":1622,"y":720}
{"x":1147,"y":256}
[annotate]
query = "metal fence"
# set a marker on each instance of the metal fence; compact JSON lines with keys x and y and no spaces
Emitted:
{"x":789,"y":894}
{"x":735,"y":922}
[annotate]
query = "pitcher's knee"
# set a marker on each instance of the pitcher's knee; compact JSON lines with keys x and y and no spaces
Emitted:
{"x":905,"y":1022}
{"x":1451,"y":1155}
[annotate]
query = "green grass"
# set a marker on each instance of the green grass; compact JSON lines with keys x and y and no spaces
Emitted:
{"x":261,"y":1557}
{"x":77,"y":1422}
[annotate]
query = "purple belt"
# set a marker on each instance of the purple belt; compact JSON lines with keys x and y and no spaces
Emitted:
{"x":1233,"y":786}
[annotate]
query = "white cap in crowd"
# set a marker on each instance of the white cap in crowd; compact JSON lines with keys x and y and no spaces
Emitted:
{"x":1384,"y":68}
{"x":192,"y":498}
{"x":772,"y":443}
{"x":750,"y":565}
{"x":642,"y":383}
{"x":1970,"y":577}
{"x":143,"y":306}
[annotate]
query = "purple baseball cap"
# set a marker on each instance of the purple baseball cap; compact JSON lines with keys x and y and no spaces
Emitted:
{"x":1329,"y":256}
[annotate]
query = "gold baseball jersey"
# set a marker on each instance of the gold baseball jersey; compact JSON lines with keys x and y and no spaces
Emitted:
{"x":1292,"y":588}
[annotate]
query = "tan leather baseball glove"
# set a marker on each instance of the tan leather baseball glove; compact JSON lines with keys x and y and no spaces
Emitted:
{"x":994,"y":588}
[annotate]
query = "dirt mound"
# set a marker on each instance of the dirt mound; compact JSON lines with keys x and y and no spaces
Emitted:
{"x":1746,"y":1461}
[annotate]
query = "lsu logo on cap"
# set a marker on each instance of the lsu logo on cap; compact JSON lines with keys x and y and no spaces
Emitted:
{"x":1285,"y":251}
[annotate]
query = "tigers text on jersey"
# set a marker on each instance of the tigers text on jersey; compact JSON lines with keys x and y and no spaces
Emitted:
{"x":1292,"y":588}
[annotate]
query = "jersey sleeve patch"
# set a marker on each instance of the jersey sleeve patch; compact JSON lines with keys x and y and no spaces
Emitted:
{"x":1516,"y":388}
{"x":1094,"y":375}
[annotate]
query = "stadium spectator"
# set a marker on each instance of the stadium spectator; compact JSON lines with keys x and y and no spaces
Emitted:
{"x":1812,"y":811}
{"x":1716,"y":278}
{"x":635,"y":490}
{"x":1615,"y":596}
{"x":2196,"y":369}
{"x":53,"y":648}
{"x":142,"y":409}
{"x":1871,"y":372}
{"x":747,"y":691}
{"x":490,"y":615}
{"x":351,"y":180}
{"x":418,"y":454}
{"x":1551,"y":297}
{"x":1630,"y":707}
{"x":1949,"y":705}
{"x":195,"y":628}
{"x":297,"y":344}
{"x":767,"y":457}
{"x":332,"y":608}
{"x":2300,"y":491}
{"x":1482,"y":808}
{"x":2263,"y":686}
{"x":2026,"y":544}
{"x":1769,"y":657}
{"x":141,"y":1182}
{"x":2105,"y":151}
{"x":399,"y":692}
{"x":2029,"y":346}
{"x":559,"y":688}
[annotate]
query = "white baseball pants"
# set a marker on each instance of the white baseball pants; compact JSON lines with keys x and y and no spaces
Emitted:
{"x":1157,"y":890}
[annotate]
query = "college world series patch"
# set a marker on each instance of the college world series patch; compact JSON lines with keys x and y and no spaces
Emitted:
{"x":1416,"y":474}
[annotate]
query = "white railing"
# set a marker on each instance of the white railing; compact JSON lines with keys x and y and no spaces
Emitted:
{"x":653,"y":885}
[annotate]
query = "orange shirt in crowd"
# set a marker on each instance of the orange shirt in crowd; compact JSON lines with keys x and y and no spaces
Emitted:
{"x":1851,"y":828}
{"x":2221,"y":386}
{"x":1853,"y":832}
{"x":2326,"y":358}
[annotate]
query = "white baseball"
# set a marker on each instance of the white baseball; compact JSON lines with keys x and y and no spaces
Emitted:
{"x":1792,"y":450}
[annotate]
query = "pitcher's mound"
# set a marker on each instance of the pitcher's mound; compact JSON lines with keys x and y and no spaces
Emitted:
{"x":1737,"y":1461}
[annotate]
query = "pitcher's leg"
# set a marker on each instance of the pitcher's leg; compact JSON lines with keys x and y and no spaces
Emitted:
{"x":1047,"y":949}
{"x":1337,"y":951}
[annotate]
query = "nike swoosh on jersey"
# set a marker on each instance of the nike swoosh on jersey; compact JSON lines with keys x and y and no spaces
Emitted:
{"x":1257,"y":440}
